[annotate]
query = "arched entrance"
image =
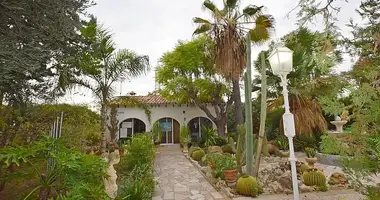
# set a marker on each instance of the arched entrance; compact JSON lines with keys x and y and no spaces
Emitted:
{"x":130,"y":127}
{"x":170,"y":130}
{"x":195,"y":125}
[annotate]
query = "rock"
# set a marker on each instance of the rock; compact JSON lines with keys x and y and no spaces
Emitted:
{"x":304,"y":188}
{"x":215,"y":149}
{"x":286,"y":180}
{"x":337,"y":178}
{"x":277,"y":188}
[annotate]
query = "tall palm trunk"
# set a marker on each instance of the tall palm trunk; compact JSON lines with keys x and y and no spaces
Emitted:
{"x":103,"y":114}
{"x":239,"y":119}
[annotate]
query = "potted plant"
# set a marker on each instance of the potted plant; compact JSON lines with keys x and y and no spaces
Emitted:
{"x":310,"y":156}
{"x":184,"y":137}
{"x":229,"y":169}
{"x":283,"y":145}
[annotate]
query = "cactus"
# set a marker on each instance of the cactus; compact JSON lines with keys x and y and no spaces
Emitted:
{"x":215,"y":149}
{"x":192,"y":149}
{"x":248,"y":186}
{"x":198,"y":154}
{"x":240,"y":153}
{"x":314,"y":178}
{"x":227,"y":149}
{"x":304,"y":168}
{"x":263,"y":143}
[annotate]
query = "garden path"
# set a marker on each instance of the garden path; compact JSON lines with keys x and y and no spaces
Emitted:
{"x":179,"y":179}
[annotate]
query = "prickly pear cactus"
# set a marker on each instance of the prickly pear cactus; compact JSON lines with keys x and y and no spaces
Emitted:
{"x":311,"y":178}
{"x":248,"y":186}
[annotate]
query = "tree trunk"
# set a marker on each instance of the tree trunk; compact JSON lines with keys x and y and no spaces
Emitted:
{"x":239,"y":119}
{"x":221,"y":126}
{"x":103,"y":114}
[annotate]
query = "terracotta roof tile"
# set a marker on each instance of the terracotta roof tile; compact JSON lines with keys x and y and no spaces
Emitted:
{"x":148,"y":99}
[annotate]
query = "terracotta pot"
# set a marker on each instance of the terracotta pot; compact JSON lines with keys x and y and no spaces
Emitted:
{"x":272,"y":148}
{"x":230,"y":175}
{"x":311,"y":161}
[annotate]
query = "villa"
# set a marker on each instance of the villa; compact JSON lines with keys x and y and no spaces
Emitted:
{"x":170,"y":115}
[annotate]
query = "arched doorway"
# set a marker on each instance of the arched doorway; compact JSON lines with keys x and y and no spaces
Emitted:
{"x":130,"y":127}
{"x":195,"y":125}
{"x":170,"y":130}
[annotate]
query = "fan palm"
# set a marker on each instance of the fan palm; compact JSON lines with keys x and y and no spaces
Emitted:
{"x":313,"y":59}
{"x":228,"y":27}
{"x":103,"y":65}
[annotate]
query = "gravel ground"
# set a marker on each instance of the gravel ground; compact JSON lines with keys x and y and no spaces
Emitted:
{"x":330,"y":195}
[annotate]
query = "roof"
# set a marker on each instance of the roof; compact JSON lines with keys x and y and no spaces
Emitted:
{"x":152,"y":99}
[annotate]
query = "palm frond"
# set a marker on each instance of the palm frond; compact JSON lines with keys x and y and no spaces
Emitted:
{"x":263,"y":28}
{"x":209,"y":5}
{"x":204,"y":28}
{"x":251,"y":11}
{"x":199,"y":20}
{"x":231,"y":4}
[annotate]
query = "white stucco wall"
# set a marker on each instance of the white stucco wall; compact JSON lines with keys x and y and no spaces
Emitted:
{"x":163,"y":111}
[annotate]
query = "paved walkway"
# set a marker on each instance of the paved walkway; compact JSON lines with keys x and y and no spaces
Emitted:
{"x":179,"y":179}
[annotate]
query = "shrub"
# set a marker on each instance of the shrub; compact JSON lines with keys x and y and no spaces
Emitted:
{"x":331,"y":145}
{"x":140,"y":151}
{"x":139,"y":184}
{"x":220,"y":141}
{"x":198,"y":154}
{"x":282,"y":142}
{"x":302,"y":141}
{"x":248,"y":186}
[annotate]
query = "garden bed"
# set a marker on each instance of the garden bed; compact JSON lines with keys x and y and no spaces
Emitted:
{"x":274,"y":178}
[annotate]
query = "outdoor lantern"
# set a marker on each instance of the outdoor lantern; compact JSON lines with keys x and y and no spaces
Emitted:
{"x":281,"y":60}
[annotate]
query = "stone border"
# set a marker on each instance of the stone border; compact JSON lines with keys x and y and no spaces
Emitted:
{"x":226,"y":193}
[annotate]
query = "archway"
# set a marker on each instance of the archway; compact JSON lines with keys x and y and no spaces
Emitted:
{"x":130,"y":127}
{"x":195,"y":125}
{"x":170,"y":130}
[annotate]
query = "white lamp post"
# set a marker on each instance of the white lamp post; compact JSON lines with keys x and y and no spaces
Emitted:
{"x":281,"y":61}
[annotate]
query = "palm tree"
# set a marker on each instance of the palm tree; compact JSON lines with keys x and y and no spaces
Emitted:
{"x":228,"y":28}
{"x":103,"y":65}
{"x":311,"y":80}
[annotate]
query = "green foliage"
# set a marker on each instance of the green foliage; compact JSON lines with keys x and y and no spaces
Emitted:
{"x":79,"y":123}
{"x":198,"y":154}
{"x":220,"y":140}
{"x":331,"y":145}
{"x":74,"y":172}
{"x":248,"y":186}
{"x":184,"y":135}
{"x":310,"y":152}
{"x":221,"y":163}
{"x":139,"y":184}
{"x":208,"y":136}
{"x":141,"y":150}
{"x":301,"y":142}
{"x":282,"y":142}
{"x":187,"y":75}
{"x":37,"y":52}
{"x":314,"y":178}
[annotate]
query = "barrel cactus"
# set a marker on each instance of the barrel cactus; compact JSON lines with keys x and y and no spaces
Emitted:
{"x":215,"y":149}
{"x":192,"y":149}
{"x":198,"y":154}
{"x":304,"y":168}
{"x":311,"y":178}
{"x":227,"y":149}
{"x":248,"y":186}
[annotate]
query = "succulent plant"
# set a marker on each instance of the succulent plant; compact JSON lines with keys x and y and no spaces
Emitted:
{"x":310,"y":152}
{"x":215,"y":149}
{"x":192,"y":149}
{"x":227,"y":148}
{"x":304,"y":167}
{"x":314,"y":178}
{"x":198,"y":154}
{"x":248,"y":186}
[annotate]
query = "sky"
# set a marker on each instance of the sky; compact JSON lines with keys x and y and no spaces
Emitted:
{"x":153,"y":27}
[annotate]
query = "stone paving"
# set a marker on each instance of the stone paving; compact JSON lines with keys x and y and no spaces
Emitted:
{"x":179,"y":179}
